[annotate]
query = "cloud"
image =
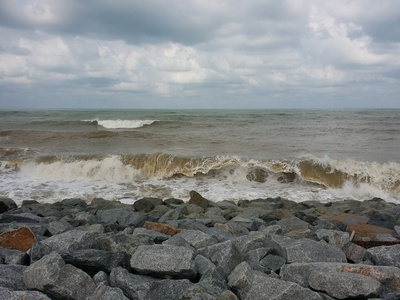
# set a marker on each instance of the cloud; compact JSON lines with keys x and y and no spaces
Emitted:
{"x":201,"y":53}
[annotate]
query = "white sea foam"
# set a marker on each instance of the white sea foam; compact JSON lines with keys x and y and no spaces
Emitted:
{"x":121,"y":124}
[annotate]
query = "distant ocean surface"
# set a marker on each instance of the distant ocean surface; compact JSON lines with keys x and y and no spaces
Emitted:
{"x":323,"y":155}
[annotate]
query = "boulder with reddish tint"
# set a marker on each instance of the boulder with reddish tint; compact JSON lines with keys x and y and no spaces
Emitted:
{"x":20,"y":239}
{"x":367,"y":232}
{"x":162,"y":228}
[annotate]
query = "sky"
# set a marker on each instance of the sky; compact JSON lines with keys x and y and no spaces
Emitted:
{"x":199,"y":54}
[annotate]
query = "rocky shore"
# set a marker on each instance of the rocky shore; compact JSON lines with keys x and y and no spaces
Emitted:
{"x":171,"y":249}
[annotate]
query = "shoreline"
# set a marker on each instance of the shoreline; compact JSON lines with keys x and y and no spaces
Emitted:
{"x":175,"y":249}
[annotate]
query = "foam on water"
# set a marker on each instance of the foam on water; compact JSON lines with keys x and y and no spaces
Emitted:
{"x":217,"y":178}
{"x":121,"y":124}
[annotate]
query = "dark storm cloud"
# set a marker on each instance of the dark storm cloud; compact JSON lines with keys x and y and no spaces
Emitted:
{"x":256,"y":53}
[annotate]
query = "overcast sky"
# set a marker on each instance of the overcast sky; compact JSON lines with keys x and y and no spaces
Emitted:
{"x":199,"y":54}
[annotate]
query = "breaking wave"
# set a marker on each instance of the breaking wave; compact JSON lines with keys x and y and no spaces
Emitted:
{"x":355,"y":178}
{"x":121,"y":124}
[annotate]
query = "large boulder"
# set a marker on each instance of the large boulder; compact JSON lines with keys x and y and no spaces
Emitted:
{"x":305,"y":250}
{"x":344,"y":285}
{"x":53,"y":277}
{"x":164,"y":261}
{"x":11,"y":277}
{"x":384,"y":255}
{"x":7,"y":204}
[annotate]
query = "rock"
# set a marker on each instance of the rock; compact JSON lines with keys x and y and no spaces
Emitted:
{"x":305,"y":250}
{"x":12,"y":256}
{"x":20,"y":239}
{"x":162,"y":228}
{"x":382,"y":220}
{"x":93,"y":260}
{"x":11,"y":277}
{"x":74,"y":204}
{"x":354,"y":252}
{"x":164,"y":260}
{"x":63,"y":243}
{"x":241,"y":279}
{"x":345,"y":218}
{"x":94,"y":228}
{"x":57,"y":227}
{"x":104,"y":292}
{"x":384,"y":255}
{"x":53,"y":277}
{"x":367,"y":232}
{"x":147,"y":204}
{"x":203,"y":264}
{"x":122,"y":242}
{"x":249,"y":219}
{"x":101,"y":277}
{"x":213,"y":282}
{"x":291,"y":224}
{"x":272,"y":262}
{"x":253,"y":258}
{"x":271,"y":288}
{"x":22,"y":295}
{"x":252,"y":241}
{"x":199,"y":200}
{"x":334,"y":237}
{"x":155,"y":236}
{"x":344,"y":285}
{"x":224,"y":255}
{"x":232,"y":228}
{"x":195,"y":238}
{"x":121,"y":217}
{"x":7,"y":204}
{"x":147,"y":288}
{"x":85,"y":218}
{"x":173,"y":202}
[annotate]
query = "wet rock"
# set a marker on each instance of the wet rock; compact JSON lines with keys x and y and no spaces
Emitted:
{"x":164,"y":260}
{"x":199,"y":200}
{"x":20,"y":239}
{"x":57,"y":227}
{"x":147,"y":204}
{"x":7,"y":204}
{"x":53,"y":277}
{"x":344,"y":285}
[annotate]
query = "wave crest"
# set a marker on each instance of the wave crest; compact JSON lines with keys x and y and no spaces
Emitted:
{"x":121,"y":124}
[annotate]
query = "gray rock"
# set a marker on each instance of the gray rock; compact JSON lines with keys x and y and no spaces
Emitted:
{"x":74,"y":204}
{"x":384,"y":255}
{"x":155,"y":236}
{"x":85,"y":218}
{"x":94,"y":228}
{"x":354,"y":252}
{"x":147,"y":288}
{"x":13,"y":256}
{"x":197,"y":199}
{"x":344,"y":285}
{"x":11,"y":277}
{"x":203,"y":264}
{"x":122,"y":242}
{"x":241,"y":279}
{"x":233,"y":228}
{"x":271,"y":288}
{"x":254,"y":257}
{"x":147,"y":204}
{"x":213,"y":282}
{"x":334,"y":237}
{"x":63,"y":243}
{"x":53,"y":277}
{"x":93,"y":260}
{"x":7,"y":204}
{"x":164,"y":260}
{"x":273,"y":262}
{"x":22,"y":295}
{"x":195,"y":238}
{"x":57,"y":227}
{"x":121,"y":217}
{"x":104,"y":292}
{"x":250,"y":219}
{"x":292,"y":224}
{"x":19,"y":217}
{"x":305,"y":250}
{"x":101,"y":277}
{"x":174,"y":214}
{"x":224,"y":255}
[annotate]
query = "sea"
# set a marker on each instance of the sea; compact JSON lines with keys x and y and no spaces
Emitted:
{"x":324,"y":155}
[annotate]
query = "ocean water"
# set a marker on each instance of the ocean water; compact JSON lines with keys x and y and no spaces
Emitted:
{"x":323,"y":155}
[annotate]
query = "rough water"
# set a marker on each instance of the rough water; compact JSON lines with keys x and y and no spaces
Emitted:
{"x":322,"y":155}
